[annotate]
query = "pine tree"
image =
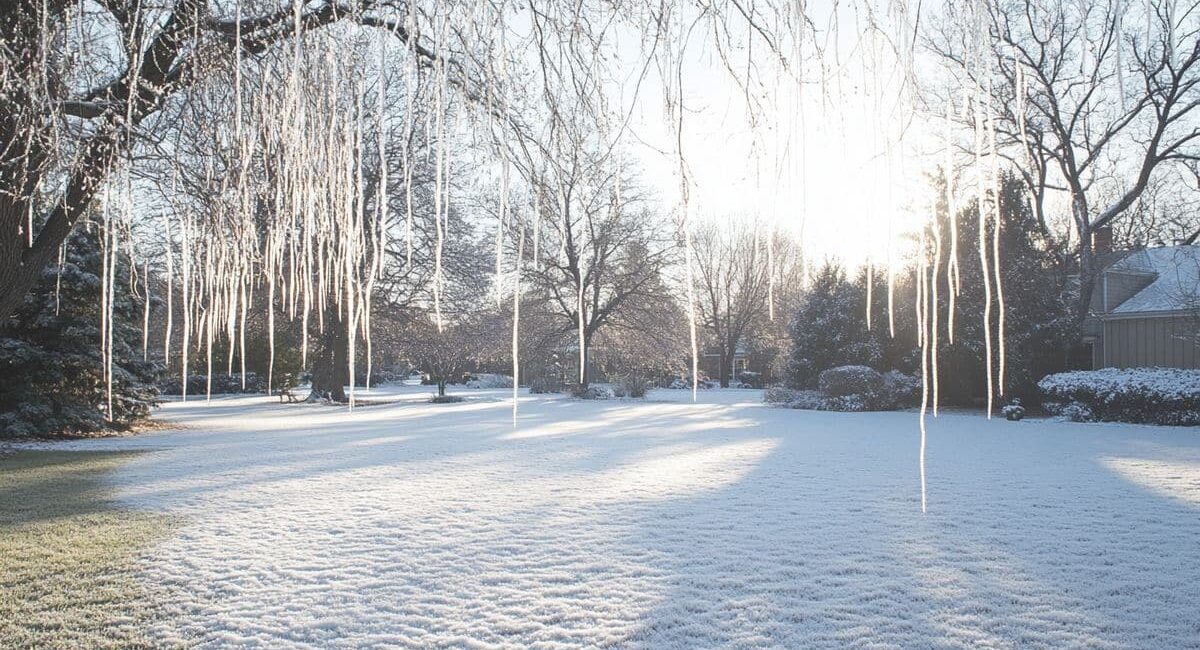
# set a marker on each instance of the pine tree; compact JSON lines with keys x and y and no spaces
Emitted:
{"x":51,"y":363}
{"x":829,"y":329}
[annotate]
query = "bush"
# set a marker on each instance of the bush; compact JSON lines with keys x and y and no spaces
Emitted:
{"x":1168,"y":396}
{"x":592,"y":392}
{"x":780,"y":395}
{"x":446,"y":399}
{"x":488,"y":380}
{"x":843,"y":381}
{"x":1013,"y":411}
{"x":900,"y":390}
{"x":851,"y":388}
{"x":222,"y":384}
{"x":631,"y":386}
{"x":750,"y":379}
{"x":685,"y":383}
{"x":543,"y":385}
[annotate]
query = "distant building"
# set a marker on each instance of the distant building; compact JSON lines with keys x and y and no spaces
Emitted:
{"x":1145,"y":309}
{"x":710,"y":362}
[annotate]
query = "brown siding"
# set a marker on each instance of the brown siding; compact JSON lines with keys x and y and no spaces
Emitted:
{"x":1143,"y":342}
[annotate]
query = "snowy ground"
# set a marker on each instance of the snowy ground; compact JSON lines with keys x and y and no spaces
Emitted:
{"x":665,"y":525}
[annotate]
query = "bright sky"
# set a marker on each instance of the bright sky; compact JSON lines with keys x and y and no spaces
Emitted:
{"x":827,"y":165}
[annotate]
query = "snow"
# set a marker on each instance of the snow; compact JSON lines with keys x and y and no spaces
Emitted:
{"x":663,"y":524}
{"x":1176,"y":284}
{"x":1155,"y":384}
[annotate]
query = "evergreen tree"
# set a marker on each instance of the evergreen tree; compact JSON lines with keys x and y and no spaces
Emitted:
{"x":1037,"y":316}
{"x":51,"y":363}
{"x":829,"y":329}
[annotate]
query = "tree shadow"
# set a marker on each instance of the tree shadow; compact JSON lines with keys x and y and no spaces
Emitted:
{"x":679,"y":525}
{"x":824,"y":544}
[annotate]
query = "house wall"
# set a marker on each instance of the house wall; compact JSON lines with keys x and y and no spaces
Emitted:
{"x":1171,"y":341}
{"x":1120,"y":287}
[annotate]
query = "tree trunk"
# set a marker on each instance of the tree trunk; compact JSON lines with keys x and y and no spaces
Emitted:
{"x":330,"y":365}
{"x":1087,"y":278}
{"x":441,"y":387}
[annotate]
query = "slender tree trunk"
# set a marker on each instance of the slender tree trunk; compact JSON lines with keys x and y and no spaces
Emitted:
{"x":1087,"y":278}
{"x":441,"y":387}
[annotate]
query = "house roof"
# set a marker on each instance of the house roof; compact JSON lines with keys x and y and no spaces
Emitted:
{"x":1176,"y":284}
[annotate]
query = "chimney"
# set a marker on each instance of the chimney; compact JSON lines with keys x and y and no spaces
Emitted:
{"x":1102,"y":240}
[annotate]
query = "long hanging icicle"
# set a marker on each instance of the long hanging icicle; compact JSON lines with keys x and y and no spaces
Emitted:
{"x":922,"y":317}
{"x":996,"y":230}
{"x":146,"y":310}
{"x":952,"y":273}
{"x":516,"y":328}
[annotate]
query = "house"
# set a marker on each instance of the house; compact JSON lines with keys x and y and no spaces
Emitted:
{"x":710,"y":361}
{"x":1146,"y":309}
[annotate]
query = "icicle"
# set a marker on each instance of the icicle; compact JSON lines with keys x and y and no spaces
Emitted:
{"x":691,"y":296}
{"x":870,"y":291}
{"x":771,"y":272}
{"x":105,"y":245}
{"x":952,"y":272}
{"x":186,"y":262}
{"x":579,"y":311}
{"x":500,"y":228}
{"x":111,"y":274}
{"x":516,"y":364}
{"x":537,"y":226}
{"x":170,"y":281}
{"x":932,"y":311}
{"x":62,"y":253}
{"x":926,"y":284}
{"x":146,"y":311}
{"x":981,"y":209}
{"x":996,"y":228}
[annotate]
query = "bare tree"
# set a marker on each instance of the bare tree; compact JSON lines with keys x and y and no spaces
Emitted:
{"x":734,"y":263}
{"x":446,"y":354}
{"x":601,"y":249}
{"x":1090,"y":100}
{"x":61,"y":136}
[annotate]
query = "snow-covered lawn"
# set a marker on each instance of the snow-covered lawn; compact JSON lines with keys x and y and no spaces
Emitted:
{"x":664,"y":524}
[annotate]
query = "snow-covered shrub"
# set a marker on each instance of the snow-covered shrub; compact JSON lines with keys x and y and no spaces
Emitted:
{"x":446,"y":399}
{"x":632,"y":385}
{"x":1075,"y":412}
{"x":543,"y":385}
{"x":811,"y":400}
{"x":489,"y":380}
{"x":592,"y":392}
{"x":1168,"y":396}
{"x":854,"y":388}
{"x":685,"y":383}
{"x":750,"y":379}
{"x":899,"y":390}
{"x":1013,"y":411}
{"x":850,"y":380}
{"x":780,"y":395}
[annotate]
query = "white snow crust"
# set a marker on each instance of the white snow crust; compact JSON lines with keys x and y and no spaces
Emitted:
{"x":663,"y":524}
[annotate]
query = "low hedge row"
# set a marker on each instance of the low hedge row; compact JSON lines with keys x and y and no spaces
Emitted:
{"x":1169,"y":396}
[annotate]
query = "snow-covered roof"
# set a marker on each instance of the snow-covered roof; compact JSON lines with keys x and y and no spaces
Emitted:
{"x":1176,"y":285}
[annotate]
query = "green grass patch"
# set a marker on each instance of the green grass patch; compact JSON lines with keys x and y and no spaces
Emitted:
{"x":69,"y":553}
